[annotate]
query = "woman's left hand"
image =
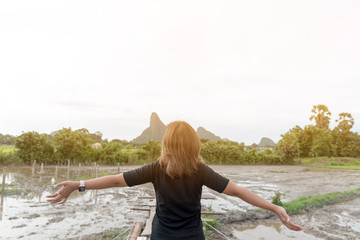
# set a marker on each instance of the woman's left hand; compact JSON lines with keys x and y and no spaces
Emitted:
{"x":62,"y":195}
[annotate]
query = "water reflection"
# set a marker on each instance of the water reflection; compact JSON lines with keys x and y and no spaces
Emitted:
{"x":1,"y":206}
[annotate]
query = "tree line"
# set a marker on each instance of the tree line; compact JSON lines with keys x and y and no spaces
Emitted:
{"x":319,"y":140}
{"x":78,"y":146}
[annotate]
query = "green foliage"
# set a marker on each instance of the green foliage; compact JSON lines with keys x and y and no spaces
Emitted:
{"x":110,"y":153}
{"x":152,"y":149}
{"x":322,"y":144}
{"x":72,"y":145}
{"x":213,"y":222}
{"x":277,"y":199}
{"x":319,"y":140}
{"x":347,"y":143}
{"x":228,"y":152}
{"x":298,"y":205}
{"x":33,"y":145}
{"x":7,"y":139}
{"x":288,"y":146}
{"x":7,"y":158}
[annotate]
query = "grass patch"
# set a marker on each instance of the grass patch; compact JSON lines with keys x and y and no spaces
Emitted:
{"x":331,"y":162}
{"x":11,"y":191}
{"x":112,"y":233}
{"x":300,"y":204}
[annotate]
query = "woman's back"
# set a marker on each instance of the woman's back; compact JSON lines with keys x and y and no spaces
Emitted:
{"x":178,"y":207}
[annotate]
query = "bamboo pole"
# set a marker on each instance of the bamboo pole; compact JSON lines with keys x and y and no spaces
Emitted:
{"x":92,"y":169}
{"x":33,"y":169}
{"x":96,"y":170}
{"x":41,"y":171}
{"x":68,"y":170}
{"x":56,"y":173}
{"x":3,"y":181}
{"x":79,"y":170}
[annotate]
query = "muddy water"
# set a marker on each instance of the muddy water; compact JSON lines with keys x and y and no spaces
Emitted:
{"x":27,"y":215}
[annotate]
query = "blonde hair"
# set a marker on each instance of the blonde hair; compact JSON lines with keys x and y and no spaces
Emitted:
{"x":180,"y":153}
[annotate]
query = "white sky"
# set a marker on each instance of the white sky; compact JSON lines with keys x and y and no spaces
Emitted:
{"x":241,"y":69}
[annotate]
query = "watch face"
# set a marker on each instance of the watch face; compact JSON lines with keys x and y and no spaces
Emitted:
{"x":81,"y":188}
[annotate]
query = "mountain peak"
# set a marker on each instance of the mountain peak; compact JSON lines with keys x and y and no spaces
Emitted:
{"x":205,"y":134}
{"x":154,"y":119}
{"x":155,"y":131}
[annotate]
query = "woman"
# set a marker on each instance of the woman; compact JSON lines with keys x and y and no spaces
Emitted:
{"x":178,"y":176}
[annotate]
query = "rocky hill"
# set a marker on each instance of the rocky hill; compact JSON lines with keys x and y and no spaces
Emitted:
{"x":205,"y":134}
{"x":155,"y":131}
{"x":266,"y":142}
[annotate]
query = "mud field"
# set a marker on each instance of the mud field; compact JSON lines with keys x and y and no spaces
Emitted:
{"x":26,"y":214}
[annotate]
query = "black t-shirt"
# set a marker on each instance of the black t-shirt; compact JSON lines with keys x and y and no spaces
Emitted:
{"x":178,"y":208}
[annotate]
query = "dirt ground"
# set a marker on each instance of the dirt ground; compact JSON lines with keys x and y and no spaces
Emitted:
{"x":27,"y":215}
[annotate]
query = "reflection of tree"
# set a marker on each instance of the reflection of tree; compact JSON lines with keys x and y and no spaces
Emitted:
{"x":1,"y":206}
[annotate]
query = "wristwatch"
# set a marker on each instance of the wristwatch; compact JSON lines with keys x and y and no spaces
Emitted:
{"x":82,"y":186}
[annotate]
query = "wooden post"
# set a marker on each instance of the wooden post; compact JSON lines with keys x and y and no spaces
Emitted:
{"x":41,"y":171}
{"x":135,"y":232}
{"x":56,"y":173}
{"x":79,"y":170}
{"x":3,"y":181}
{"x":118,"y":168}
{"x":92,"y":168}
{"x":68,"y":170}
{"x":33,"y":169}
{"x":42,"y":168}
{"x":96,"y":171}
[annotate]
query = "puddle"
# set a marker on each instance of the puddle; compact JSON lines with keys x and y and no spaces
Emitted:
{"x":270,"y":231}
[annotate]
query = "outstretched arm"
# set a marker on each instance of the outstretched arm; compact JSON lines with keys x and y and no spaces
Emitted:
{"x":234,"y":190}
{"x":68,"y":187}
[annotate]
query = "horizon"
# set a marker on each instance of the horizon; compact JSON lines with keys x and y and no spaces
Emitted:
{"x":242,"y":70}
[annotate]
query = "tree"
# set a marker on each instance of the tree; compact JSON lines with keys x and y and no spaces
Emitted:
{"x":7,"y":139}
{"x":345,"y":121}
{"x":322,"y":144}
{"x":97,"y":136}
{"x":347,"y":143}
{"x":153,"y":148}
{"x":288,"y":146}
{"x":34,"y":146}
{"x":110,"y":153}
{"x":72,"y":145}
{"x":321,"y":116}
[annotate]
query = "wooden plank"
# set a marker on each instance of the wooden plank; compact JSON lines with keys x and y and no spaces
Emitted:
{"x":141,"y":209}
{"x":212,"y":213}
{"x":146,"y":197}
{"x":135,"y":232}
{"x":148,"y":224}
{"x":207,"y":219}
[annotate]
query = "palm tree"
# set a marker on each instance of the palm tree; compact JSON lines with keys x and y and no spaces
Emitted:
{"x":321,"y":116}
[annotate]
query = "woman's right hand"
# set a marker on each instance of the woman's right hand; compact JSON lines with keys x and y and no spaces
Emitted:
{"x":62,"y":195}
{"x":285,"y":219}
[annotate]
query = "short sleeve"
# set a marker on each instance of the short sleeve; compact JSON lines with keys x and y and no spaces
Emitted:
{"x":213,"y":179}
{"x":141,"y":175}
